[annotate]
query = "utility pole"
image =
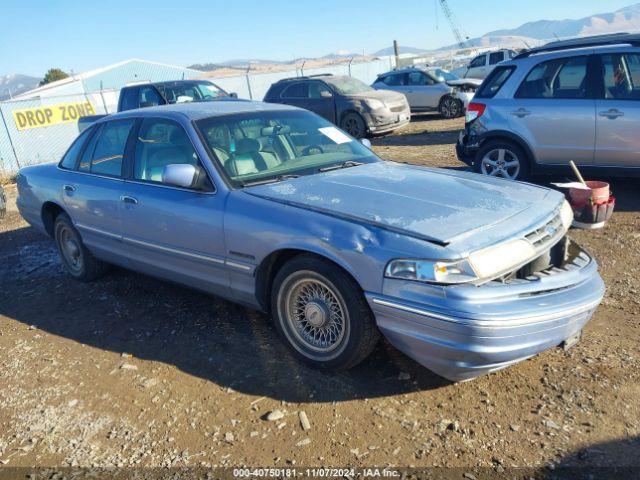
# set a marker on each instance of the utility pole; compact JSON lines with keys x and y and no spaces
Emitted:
{"x":396,"y":52}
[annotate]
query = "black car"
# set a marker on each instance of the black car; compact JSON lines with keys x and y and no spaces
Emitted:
{"x":347,"y":102}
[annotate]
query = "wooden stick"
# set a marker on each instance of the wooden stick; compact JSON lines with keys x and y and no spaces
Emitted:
{"x":577,"y":172}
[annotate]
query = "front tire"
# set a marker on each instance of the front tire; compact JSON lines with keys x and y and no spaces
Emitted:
{"x":502,"y":158}
{"x":77,"y":260}
{"x":354,"y":125}
{"x":450,"y":107}
{"x":321,"y":314}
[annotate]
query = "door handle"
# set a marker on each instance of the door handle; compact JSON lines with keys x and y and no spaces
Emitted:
{"x":128,"y":199}
{"x":611,"y":113}
{"x":521,"y":112}
{"x":69,"y":188}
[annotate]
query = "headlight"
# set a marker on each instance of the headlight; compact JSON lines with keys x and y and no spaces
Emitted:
{"x":431,"y":271}
{"x":491,"y":262}
{"x":566,"y":215}
{"x":374,"y":104}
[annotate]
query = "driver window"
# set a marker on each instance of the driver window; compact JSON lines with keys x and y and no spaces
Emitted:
{"x":478,"y":62}
{"x":149,"y":97}
{"x":416,"y":78}
{"x":318,"y":90}
{"x":161,"y":143}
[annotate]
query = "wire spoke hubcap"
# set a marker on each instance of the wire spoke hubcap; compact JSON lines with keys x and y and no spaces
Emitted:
{"x":316,"y":315}
{"x":501,"y":162}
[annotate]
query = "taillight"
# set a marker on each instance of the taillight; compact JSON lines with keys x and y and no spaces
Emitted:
{"x":474,"y":111}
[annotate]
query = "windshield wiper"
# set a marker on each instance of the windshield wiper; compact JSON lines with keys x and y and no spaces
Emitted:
{"x":264,"y":181}
{"x":347,"y":164}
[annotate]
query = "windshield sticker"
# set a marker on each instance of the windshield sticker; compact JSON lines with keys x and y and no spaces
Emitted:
{"x":334,"y":134}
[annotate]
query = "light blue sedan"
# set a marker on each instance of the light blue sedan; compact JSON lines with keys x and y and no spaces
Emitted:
{"x":273,"y":207}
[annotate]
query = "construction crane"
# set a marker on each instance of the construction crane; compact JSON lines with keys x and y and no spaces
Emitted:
{"x":460,"y":38}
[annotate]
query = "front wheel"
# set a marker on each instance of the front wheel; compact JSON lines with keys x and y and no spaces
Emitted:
{"x":321,"y":314}
{"x":450,"y":107}
{"x":354,"y":125}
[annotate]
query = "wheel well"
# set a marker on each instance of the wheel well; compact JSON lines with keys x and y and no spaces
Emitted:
{"x":269,"y":267}
{"x":512,"y":139}
{"x":50,"y":211}
{"x":351,"y":110}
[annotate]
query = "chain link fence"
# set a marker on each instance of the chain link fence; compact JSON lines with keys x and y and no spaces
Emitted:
{"x":39,"y":130}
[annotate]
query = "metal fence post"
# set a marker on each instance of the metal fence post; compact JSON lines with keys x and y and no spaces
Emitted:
{"x":6,"y":127}
{"x":248,"y":82}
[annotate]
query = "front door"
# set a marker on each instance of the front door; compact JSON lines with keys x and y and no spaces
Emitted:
{"x":421,"y":91}
{"x":321,"y":101}
{"x":618,"y":112}
{"x":175,"y":233}
{"x":552,"y":110}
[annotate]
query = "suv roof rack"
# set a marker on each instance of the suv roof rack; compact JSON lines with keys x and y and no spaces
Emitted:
{"x":305,"y":77}
{"x":582,"y":42}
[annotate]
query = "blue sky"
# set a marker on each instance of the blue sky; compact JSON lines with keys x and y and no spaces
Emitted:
{"x":80,"y":35}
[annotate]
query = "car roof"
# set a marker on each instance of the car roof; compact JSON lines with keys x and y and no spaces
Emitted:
{"x":200,"y":110}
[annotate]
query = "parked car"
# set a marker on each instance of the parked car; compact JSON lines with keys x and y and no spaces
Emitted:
{"x":275,"y":208}
{"x":483,"y":64}
{"x":142,"y":95}
{"x":345,"y":101}
{"x":570,"y":100}
{"x":430,"y":89}
{"x":3,"y":203}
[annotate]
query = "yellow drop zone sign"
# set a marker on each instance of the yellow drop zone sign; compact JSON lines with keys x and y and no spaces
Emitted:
{"x":47,"y":115}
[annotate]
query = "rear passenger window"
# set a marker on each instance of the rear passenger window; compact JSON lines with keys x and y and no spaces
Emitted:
{"x":621,"y":76}
{"x":297,"y":90}
{"x":394,"y":80}
{"x":494,"y":82}
{"x":496,"y":57}
{"x":149,"y":97}
{"x":129,"y":99}
{"x":560,"y":78}
{"x":70,"y":159}
{"x":106,"y":149}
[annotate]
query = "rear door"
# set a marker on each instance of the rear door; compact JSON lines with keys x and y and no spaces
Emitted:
{"x":171,"y":232}
{"x":618,"y":111}
{"x":92,"y":195}
{"x":554,"y":111}
{"x":296,"y":94}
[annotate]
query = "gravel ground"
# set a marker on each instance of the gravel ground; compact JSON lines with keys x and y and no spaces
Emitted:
{"x":130,"y":370}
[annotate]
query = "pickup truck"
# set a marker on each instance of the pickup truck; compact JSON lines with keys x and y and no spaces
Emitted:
{"x":160,"y":93}
{"x":483,"y":64}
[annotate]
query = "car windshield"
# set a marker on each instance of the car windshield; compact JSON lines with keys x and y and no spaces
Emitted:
{"x":348,"y":85}
{"x":191,"y":92}
{"x":262,"y":147}
{"x":448,"y":76}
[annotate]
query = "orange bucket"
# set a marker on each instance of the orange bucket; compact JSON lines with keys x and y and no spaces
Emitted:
{"x":597,"y":192}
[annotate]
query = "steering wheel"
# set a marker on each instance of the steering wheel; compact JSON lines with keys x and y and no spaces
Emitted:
{"x":311,"y":148}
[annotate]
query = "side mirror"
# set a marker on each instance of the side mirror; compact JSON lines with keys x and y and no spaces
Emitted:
{"x":325,"y":94}
{"x":366,"y":142}
{"x":233,"y":95}
{"x":185,"y":175}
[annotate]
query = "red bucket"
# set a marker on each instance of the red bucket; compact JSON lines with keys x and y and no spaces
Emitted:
{"x":596,"y":194}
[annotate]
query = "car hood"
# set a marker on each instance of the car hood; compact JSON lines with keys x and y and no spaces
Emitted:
{"x":471,"y":82}
{"x":387,"y":96}
{"x":437,"y":205}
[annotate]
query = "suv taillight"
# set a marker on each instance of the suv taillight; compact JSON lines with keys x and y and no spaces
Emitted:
{"x":474,"y":111}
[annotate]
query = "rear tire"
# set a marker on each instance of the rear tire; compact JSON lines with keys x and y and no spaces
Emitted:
{"x":502,"y":158}
{"x":77,"y":260}
{"x":321,"y":314}
{"x":354,"y":125}
{"x":450,"y":107}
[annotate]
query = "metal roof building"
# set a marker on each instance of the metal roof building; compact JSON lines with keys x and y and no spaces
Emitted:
{"x":112,"y":77}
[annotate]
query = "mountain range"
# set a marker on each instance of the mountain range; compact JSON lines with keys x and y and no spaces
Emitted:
{"x":16,"y":83}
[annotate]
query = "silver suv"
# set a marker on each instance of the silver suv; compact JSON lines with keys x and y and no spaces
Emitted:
{"x":569,"y":100}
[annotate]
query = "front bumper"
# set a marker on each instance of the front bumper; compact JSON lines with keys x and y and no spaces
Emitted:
{"x":385,"y":121}
{"x":462,"y":332}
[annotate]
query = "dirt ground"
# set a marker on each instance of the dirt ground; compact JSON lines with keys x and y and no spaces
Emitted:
{"x":130,"y":370}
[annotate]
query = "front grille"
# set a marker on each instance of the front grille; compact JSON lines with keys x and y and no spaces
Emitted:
{"x":547,"y":234}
